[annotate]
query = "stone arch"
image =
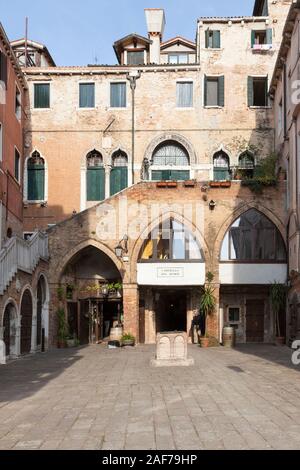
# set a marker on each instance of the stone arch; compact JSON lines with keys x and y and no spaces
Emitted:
{"x":136,"y":250}
{"x":91,"y":149}
{"x":120,"y":148}
{"x":84,"y":244}
{"x":221,"y":148}
{"x":236,"y":214}
{"x":10,"y":328}
{"x":27,"y":316}
{"x":177,"y":138}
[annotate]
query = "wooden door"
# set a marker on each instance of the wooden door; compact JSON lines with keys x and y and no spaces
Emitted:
{"x":255,"y":321}
{"x":26,"y":323}
{"x":6,"y":324}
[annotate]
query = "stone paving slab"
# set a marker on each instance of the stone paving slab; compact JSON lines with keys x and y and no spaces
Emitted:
{"x":95,"y":398}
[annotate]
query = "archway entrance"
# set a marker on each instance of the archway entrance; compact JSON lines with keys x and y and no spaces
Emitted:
{"x":94,"y":302}
{"x":26,"y":322}
{"x":10,"y":330}
{"x":171,"y":310}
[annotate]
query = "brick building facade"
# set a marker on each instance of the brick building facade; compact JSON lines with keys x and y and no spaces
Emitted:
{"x":145,"y":175}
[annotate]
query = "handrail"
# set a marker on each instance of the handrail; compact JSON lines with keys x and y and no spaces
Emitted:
{"x":18,"y":254}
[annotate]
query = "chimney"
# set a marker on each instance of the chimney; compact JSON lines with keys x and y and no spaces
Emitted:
{"x":155,"y":18}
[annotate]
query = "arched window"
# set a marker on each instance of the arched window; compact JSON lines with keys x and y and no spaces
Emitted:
{"x":252,"y":238}
{"x":119,"y":172}
{"x":246,"y":165}
{"x":170,"y":160}
{"x":171,"y":241}
{"x":95,"y":181}
{"x":35,"y":177}
{"x":221,"y":167}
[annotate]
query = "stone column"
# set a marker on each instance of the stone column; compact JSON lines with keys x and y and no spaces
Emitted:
{"x":131,"y":309}
{"x":18,"y":336}
{"x":34,"y":327}
{"x":213,"y":320}
{"x":45,"y":323}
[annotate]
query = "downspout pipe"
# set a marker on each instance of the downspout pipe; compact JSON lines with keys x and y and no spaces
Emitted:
{"x":132,"y":77}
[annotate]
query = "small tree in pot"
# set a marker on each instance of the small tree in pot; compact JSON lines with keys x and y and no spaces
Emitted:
{"x":207,"y":306}
{"x":278,"y":300}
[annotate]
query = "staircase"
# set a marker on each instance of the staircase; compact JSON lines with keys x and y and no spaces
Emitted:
{"x":19,"y":254}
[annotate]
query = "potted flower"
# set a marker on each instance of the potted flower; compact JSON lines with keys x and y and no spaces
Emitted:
{"x":207,"y":306}
{"x":278,"y":300}
{"x":62,"y":329}
{"x":128,"y":339}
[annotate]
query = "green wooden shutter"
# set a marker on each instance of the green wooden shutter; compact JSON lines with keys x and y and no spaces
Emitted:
{"x":42,"y":95}
{"x":252,"y":38}
{"x":118,"y":179}
{"x":221,"y":91}
{"x":205,"y":90}
{"x":157,"y":175}
{"x":95,"y":184}
{"x":250,"y":91}
{"x":269,"y":36}
{"x":179,"y":175}
{"x":207,"y":38}
{"x":221,"y":174}
{"x":216,"y":39}
{"x":36,"y":183}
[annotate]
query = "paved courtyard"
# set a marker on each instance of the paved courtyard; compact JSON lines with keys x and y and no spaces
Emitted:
{"x":95,"y":398}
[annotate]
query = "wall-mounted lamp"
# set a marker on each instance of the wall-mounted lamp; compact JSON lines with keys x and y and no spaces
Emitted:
{"x":212,"y":205}
{"x":122,"y":247}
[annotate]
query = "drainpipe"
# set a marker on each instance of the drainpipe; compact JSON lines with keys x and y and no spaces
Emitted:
{"x":133,"y":77}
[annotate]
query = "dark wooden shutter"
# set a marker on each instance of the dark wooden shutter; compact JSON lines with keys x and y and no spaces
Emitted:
{"x":221,"y":91}
{"x":250,"y":91}
{"x":118,"y":179}
{"x":42,"y":95}
{"x":95,"y":184}
{"x":205,"y":90}
{"x":3,"y":68}
{"x":216,"y":39}
{"x":36,"y":183}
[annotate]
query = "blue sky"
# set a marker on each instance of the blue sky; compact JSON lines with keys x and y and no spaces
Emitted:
{"x":77,"y":31}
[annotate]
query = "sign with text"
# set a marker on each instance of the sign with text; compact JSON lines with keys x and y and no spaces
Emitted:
{"x":170,"y":272}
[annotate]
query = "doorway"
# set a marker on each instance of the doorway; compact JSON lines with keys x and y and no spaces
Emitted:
{"x":255,"y":321}
{"x":171,"y":311}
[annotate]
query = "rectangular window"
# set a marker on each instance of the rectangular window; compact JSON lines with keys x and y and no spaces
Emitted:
{"x":280,"y":117}
{"x":184,"y":94}
{"x":214,"y":91}
{"x":118,"y":95}
{"x":18,"y":104}
{"x":1,"y":142}
{"x":234,"y":314}
{"x":258,"y":91}
{"x":42,"y":95}
{"x":212,"y":39}
{"x":262,"y":39}
{"x":3,"y":68}
{"x":87,"y":95}
{"x":178,"y":58}
{"x":17,"y":165}
{"x":135,"y":57}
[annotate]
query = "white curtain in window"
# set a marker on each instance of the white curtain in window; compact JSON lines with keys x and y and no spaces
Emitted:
{"x":185,"y":95}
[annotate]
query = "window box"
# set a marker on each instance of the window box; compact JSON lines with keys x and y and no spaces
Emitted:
{"x":190,"y":183}
{"x":215,"y":184}
{"x":172,"y":184}
{"x":161,"y":184}
{"x":225,"y":184}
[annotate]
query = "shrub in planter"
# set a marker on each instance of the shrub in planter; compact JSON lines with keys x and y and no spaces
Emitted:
{"x":128,"y":339}
{"x":62,"y":330}
{"x":207,"y":306}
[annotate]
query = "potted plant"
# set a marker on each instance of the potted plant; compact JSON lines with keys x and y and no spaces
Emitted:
{"x":278,"y":300}
{"x":190,"y":183}
{"x":207,"y":306}
{"x":62,"y":329}
{"x":119,"y":288}
{"x":128,"y":339}
{"x":225,"y":184}
{"x":172,"y":184}
{"x":161,"y":184}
